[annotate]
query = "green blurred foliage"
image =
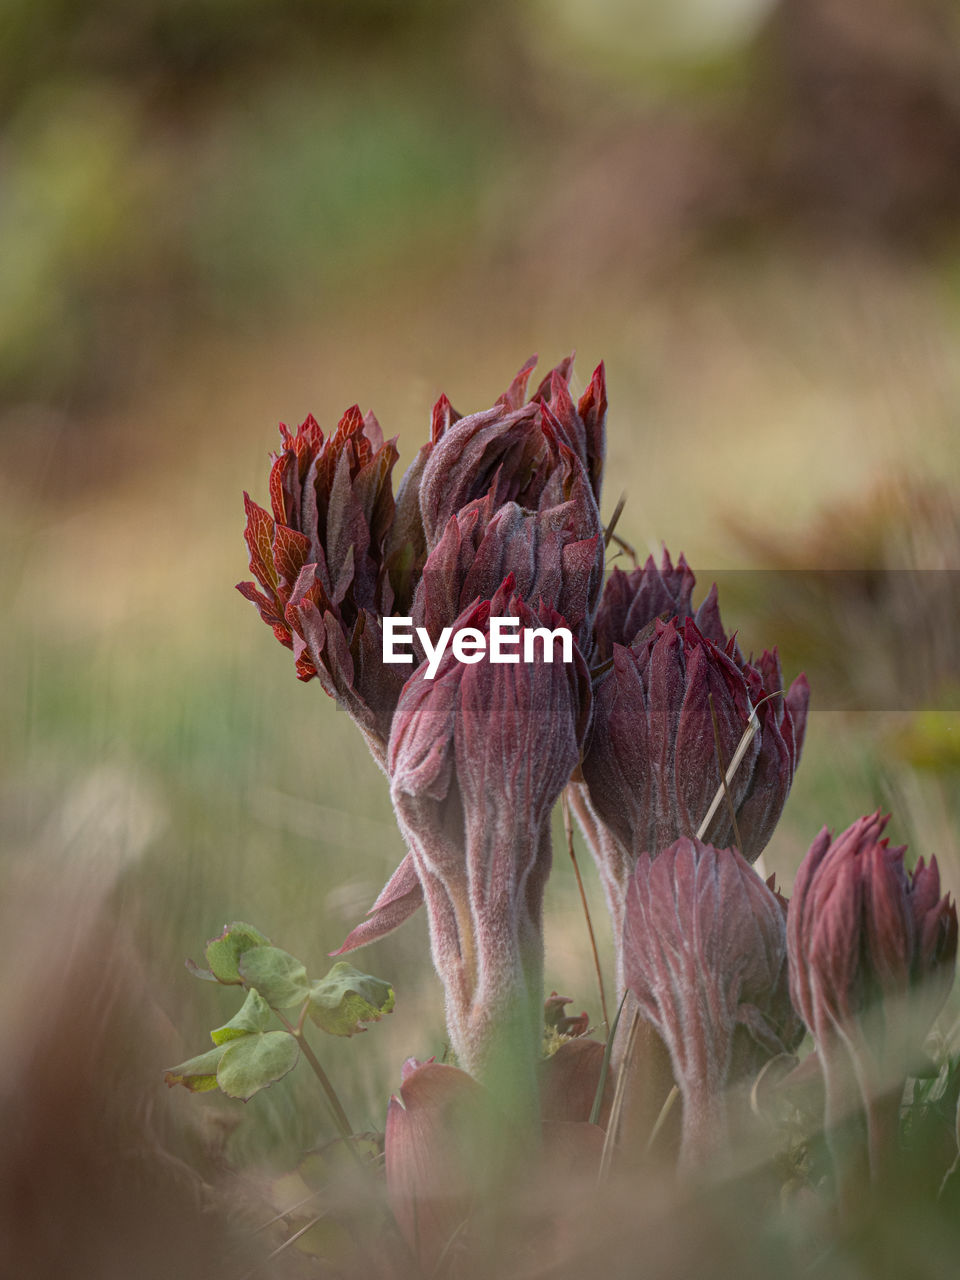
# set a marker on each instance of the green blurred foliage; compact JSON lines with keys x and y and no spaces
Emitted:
{"x":159,"y":45}
{"x":71,"y":216}
{"x":166,"y":163}
{"x":302,"y":186}
{"x":171,"y":168}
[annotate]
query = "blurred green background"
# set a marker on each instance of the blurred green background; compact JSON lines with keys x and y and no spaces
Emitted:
{"x":217,"y":215}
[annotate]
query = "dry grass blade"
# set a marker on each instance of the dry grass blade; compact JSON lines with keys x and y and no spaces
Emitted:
{"x":282,"y":1247}
{"x":279,"y":1217}
{"x":452,"y":1239}
{"x":723,"y":776}
{"x":614,"y":520}
{"x":753,"y":727}
{"x":610,"y":1140}
{"x":662,"y":1118}
{"x":605,"y":1065}
{"x":626,"y":547}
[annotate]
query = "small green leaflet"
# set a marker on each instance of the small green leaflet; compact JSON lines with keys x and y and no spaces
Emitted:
{"x":346,"y":998}
{"x":279,"y":977}
{"x":197,"y":1074}
{"x":224,"y":952}
{"x":253,"y":1016}
{"x":253,"y":1062}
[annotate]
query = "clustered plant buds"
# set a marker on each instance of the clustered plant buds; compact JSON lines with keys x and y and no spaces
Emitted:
{"x":673,"y":697}
{"x":554,"y":554}
{"x":321,"y":561}
{"x":873,"y":951}
{"x":654,"y":711}
{"x":497,"y":516}
{"x":705,"y":956}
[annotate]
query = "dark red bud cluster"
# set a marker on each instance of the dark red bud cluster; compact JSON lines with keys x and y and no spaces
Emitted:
{"x":498,"y":517}
{"x":864,"y":931}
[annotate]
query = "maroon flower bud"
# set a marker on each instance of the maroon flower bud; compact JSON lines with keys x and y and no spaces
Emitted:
{"x":705,"y":956}
{"x":555,"y":556}
{"x":516,"y":452}
{"x":631,"y":601}
{"x":872,"y":959}
{"x":551,"y":559}
{"x":569,"y":1080}
{"x":651,"y":766}
{"x":477,"y":758}
{"x":449,"y":1151}
{"x":407,"y":542}
{"x":862,"y":929}
{"x":935,"y":926}
{"x":319,"y":560}
{"x":431,"y":1159}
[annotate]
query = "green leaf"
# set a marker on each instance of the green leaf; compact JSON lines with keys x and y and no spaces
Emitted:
{"x":252,"y":1017}
{"x":224,"y":951}
{"x":255,"y":1061}
{"x":197,"y":1074}
{"x":279,"y":977}
{"x":345,"y":998}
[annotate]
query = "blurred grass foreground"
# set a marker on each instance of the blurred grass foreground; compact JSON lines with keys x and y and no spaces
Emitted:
{"x":218,"y":216}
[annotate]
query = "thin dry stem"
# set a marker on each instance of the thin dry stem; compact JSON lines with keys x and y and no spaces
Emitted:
{"x":286,"y":1245}
{"x":723,"y":774}
{"x":752,"y":726}
{"x":614,"y":519}
{"x":662,"y":1118}
{"x":613,"y":1125}
{"x":568,"y":829}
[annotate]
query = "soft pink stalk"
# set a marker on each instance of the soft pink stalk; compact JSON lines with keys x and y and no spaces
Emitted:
{"x":478,"y":757}
{"x":705,"y":957}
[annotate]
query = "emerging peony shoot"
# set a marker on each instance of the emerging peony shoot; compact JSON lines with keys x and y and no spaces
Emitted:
{"x":873,"y":952}
{"x":705,"y":957}
{"x":478,"y":757}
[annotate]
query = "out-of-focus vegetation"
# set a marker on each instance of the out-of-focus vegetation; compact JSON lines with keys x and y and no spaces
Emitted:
{"x":165,"y":162}
{"x":217,"y":215}
{"x":239,"y":165}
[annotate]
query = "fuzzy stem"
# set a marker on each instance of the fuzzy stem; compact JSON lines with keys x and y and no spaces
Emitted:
{"x":568,"y":830}
{"x":507,"y":1009}
{"x":705,"y":1127}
